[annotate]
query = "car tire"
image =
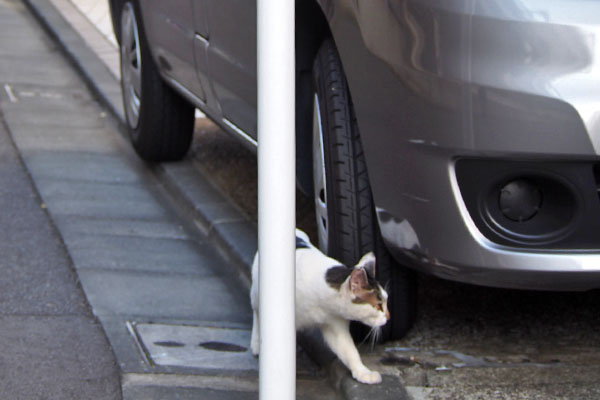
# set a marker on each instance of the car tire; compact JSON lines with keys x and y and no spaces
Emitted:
{"x":346,"y":222}
{"x":160,"y":120}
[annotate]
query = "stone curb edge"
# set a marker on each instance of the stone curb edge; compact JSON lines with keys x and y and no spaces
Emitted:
{"x":234,"y":237}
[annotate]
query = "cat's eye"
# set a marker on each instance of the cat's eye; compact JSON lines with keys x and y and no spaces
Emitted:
{"x":380,"y":307}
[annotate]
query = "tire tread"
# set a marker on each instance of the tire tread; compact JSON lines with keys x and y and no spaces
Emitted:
{"x":352,"y":225}
{"x":166,"y":121}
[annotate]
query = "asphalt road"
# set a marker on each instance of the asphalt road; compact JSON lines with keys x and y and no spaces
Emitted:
{"x":51,"y":346}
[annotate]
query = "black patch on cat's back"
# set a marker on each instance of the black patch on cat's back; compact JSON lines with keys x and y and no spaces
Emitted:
{"x":301,"y":243}
{"x":337,"y":275}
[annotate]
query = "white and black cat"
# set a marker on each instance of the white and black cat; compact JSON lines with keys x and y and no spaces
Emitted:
{"x":329,"y":295}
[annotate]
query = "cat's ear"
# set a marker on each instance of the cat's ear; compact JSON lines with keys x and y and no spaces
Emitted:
{"x":358,"y":280}
{"x":368,"y":262}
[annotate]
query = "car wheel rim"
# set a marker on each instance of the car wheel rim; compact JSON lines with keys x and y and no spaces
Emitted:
{"x":319,"y":181}
{"x":131,"y":65}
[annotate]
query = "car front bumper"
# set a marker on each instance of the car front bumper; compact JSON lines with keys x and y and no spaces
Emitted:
{"x":434,"y":82}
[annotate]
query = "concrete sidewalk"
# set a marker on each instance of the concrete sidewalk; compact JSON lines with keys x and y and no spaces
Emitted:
{"x":170,"y":302}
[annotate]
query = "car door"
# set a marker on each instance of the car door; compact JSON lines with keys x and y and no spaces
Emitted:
{"x":210,"y":104}
{"x":232,"y":60}
{"x":170,"y":27}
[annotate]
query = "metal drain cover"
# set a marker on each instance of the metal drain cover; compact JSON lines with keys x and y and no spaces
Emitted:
{"x":195,"y":346}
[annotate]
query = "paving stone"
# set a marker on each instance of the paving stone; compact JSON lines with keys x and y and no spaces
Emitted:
{"x":155,"y":296}
{"x":13,"y":43}
{"x":60,"y":107}
{"x":84,"y":167}
{"x":66,"y":99}
{"x":73,"y":226}
{"x":42,"y":138}
{"x":140,"y":254}
{"x":35,"y":70}
{"x":101,"y":200}
{"x":21,"y":118}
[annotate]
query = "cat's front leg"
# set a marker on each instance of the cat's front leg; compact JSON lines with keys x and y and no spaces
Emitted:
{"x":337,"y":336}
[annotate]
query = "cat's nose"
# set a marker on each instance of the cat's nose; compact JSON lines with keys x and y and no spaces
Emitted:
{"x":387,"y":314}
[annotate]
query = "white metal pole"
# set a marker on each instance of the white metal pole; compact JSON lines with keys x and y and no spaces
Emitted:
{"x":276,"y":198}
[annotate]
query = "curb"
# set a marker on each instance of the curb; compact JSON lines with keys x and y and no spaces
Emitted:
{"x":231,"y":233}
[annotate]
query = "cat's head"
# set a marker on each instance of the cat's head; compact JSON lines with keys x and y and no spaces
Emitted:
{"x":367,"y":299}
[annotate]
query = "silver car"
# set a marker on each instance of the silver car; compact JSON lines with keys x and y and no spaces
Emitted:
{"x":460,"y":138}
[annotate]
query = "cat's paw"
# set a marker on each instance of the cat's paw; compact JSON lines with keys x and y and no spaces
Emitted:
{"x":367,"y":376}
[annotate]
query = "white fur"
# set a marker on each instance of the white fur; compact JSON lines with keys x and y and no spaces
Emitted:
{"x":319,"y":305}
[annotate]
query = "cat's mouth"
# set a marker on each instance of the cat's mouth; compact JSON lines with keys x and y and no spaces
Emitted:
{"x":380,"y":321}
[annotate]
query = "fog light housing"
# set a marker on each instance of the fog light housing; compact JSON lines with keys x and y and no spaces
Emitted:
{"x":531,"y":208}
{"x":520,"y":200}
{"x":533,"y":204}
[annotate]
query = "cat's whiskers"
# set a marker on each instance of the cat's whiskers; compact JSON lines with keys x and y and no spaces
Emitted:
{"x":372,"y":336}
